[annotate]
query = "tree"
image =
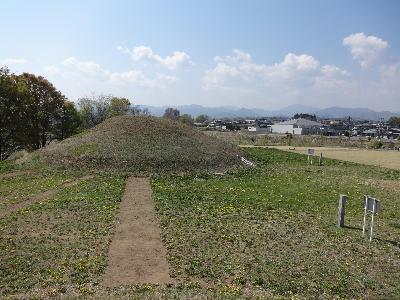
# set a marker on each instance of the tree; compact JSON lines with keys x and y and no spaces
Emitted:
{"x":171,"y":113}
{"x":32,"y":112}
{"x":94,"y":109}
{"x":137,"y":110}
{"x":305,"y":116}
{"x":202,"y":118}
{"x":394,"y":121}
{"x":70,"y":121}
{"x":10,"y":113}
{"x":186,"y":119}
{"x":119,"y":107}
{"x":43,"y":107}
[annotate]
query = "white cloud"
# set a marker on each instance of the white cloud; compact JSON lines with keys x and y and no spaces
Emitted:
{"x":332,"y":79}
{"x":365,"y":49}
{"x":333,"y":71}
{"x":88,"y":71}
{"x":292,"y":66}
{"x":13,"y":61}
{"x":389,"y":80}
{"x":52,"y":70}
{"x":86,"y":67}
{"x":172,"y":62}
{"x":240,"y":67}
{"x":297,"y":77}
{"x":126,"y":77}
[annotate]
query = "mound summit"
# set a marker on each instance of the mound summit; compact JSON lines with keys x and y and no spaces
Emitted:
{"x":143,"y":144}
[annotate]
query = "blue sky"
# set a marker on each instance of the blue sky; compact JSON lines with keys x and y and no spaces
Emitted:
{"x":266,"y":54}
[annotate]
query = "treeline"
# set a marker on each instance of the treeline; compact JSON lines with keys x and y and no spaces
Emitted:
{"x":33,"y":112}
{"x":174,"y":114}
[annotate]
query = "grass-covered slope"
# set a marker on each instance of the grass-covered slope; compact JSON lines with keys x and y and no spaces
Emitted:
{"x":143,"y":144}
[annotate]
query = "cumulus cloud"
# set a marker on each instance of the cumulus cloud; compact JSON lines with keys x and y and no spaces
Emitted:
{"x":86,"y":67}
{"x":172,"y":62}
{"x":365,"y":49}
{"x":297,"y":77}
{"x":72,"y":68}
{"x":13,"y":61}
{"x":240,"y":67}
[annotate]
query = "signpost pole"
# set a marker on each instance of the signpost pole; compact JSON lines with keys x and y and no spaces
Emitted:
{"x":341,"y":212}
{"x":365,"y":213}
{"x":372,"y":220}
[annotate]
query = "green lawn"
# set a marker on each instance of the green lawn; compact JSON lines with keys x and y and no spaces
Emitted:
{"x":263,"y":233}
{"x":61,"y":244}
{"x":274,"y":229}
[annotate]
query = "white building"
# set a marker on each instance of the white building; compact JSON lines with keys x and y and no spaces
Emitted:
{"x":297,"y":126}
{"x":258,"y":129}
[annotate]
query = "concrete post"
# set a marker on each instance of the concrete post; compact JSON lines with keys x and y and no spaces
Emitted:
{"x":341,"y":212}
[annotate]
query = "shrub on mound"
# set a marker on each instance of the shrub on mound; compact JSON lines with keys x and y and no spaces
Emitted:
{"x":143,"y":144}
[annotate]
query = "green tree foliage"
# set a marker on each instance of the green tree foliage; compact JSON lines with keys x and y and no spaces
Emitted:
{"x":202,"y":118}
{"x":69,"y":122}
{"x":119,"y":107}
{"x":172,"y":113}
{"x":10,"y":113}
{"x":44,"y":106}
{"x":186,"y":119}
{"x":394,"y":121}
{"x":32,"y":112}
{"x":305,"y":116}
{"x":97,"y":108}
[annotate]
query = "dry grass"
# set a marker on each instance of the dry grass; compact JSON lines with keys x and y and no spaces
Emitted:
{"x":143,"y":145}
{"x":381,"y":158}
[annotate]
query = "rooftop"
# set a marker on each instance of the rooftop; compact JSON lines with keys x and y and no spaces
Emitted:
{"x":300,"y":122}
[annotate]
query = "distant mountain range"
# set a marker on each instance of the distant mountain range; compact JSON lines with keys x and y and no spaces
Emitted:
{"x":289,"y":111}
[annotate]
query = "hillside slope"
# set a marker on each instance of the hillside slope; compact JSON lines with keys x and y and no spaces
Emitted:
{"x":143,"y":144}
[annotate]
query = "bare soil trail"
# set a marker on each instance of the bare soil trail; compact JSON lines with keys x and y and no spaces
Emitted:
{"x":136,"y":254}
{"x":5,"y":211}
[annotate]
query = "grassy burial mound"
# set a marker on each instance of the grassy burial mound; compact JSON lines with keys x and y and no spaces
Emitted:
{"x":143,"y":144}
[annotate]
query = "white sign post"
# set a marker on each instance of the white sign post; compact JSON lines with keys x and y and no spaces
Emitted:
{"x":371,"y":205}
{"x":310,"y":153}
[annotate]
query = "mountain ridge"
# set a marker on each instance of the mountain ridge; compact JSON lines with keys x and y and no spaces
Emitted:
{"x":289,"y":111}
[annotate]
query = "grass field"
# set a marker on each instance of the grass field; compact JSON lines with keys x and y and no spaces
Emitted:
{"x":263,"y":233}
{"x":244,"y":137}
{"x":387,"y":159}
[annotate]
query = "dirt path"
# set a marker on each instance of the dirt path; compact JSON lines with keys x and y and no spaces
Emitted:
{"x":5,"y":211}
{"x":136,"y":254}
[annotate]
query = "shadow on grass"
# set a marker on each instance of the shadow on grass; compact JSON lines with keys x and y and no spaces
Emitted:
{"x":352,"y":227}
{"x":393,"y":243}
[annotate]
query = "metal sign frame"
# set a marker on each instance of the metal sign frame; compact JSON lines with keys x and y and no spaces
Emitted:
{"x":371,"y":205}
{"x":310,"y":154}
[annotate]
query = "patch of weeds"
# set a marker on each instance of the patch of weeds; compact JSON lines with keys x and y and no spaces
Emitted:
{"x":60,"y":244}
{"x":86,"y":149}
{"x":7,"y":166}
{"x":274,"y":228}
